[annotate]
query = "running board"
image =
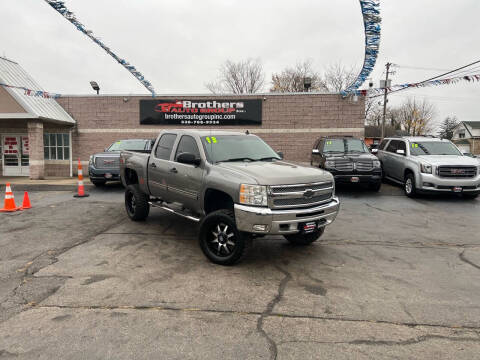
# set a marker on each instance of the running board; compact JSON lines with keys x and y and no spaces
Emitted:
{"x":164,"y":207}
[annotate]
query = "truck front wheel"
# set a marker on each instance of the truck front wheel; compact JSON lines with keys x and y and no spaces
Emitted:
{"x":220,"y":240}
{"x":136,"y":203}
{"x":305,"y":239}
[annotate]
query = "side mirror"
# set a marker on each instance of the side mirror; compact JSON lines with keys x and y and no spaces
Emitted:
{"x":280,"y":153}
{"x":401,"y":152}
{"x":374,"y":151}
{"x":188,"y":158}
{"x":315,"y":151}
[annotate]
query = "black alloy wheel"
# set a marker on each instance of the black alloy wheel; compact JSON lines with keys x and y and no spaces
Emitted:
{"x":136,"y":203}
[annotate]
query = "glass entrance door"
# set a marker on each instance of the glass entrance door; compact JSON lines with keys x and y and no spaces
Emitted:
{"x":15,"y":155}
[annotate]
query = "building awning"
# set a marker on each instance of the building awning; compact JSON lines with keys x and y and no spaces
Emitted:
{"x":11,"y":73}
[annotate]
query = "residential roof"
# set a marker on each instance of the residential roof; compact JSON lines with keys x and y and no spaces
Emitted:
{"x":11,"y":73}
{"x":462,"y":142}
{"x":473,"y":124}
{"x":376,"y":132}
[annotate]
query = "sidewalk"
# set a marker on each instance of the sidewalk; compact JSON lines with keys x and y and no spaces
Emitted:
{"x":21,"y":183}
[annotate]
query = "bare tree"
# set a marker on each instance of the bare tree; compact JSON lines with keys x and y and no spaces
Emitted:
{"x":291,"y":79}
{"x":243,"y":77}
{"x":416,"y":117}
{"x":337,"y":77}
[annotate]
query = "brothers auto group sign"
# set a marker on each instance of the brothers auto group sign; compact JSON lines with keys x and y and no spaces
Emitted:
{"x":201,"y":112}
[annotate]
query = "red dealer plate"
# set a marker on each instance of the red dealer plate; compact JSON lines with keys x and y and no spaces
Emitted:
{"x":355,"y":179}
{"x":457,"y":189}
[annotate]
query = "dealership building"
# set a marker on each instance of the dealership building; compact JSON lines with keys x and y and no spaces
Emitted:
{"x":41,"y":137}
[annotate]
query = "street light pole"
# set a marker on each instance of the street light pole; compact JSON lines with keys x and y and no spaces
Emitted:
{"x":385,"y":100}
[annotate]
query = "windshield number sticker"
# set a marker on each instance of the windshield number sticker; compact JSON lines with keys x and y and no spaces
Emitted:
{"x":329,"y":143}
{"x":414,"y":146}
{"x":212,"y":139}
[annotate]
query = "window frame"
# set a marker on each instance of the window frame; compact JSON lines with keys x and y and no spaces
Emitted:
{"x":60,"y":147}
{"x":178,"y":147}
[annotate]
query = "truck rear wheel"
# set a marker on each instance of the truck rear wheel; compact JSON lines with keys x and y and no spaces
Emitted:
{"x":220,"y":240}
{"x":305,"y":239}
{"x":136,"y":203}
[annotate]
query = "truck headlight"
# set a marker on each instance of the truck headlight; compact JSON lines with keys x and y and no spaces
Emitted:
{"x":426,"y":168}
{"x":377,"y":164}
{"x":253,"y":195}
{"x":329,"y":164}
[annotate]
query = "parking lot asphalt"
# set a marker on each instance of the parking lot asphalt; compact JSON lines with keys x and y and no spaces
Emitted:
{"x":391,"y":278}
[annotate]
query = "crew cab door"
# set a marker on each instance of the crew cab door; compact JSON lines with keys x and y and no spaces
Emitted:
{"x":185,"y":182}
{"x":159,"y":166}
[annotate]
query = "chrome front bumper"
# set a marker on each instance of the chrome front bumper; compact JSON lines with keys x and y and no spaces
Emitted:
{"x":283,"y":221}
{"x":429,"y":182}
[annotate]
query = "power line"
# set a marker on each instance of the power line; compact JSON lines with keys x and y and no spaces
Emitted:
{"x":433,"y":78}
{"x":419,"y":68}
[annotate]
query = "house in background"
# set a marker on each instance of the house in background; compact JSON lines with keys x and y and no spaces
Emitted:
{"x":373,"y":134}
{"x":466,"y":136}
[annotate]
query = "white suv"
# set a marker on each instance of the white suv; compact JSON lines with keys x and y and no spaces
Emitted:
{"x":427,"y":164}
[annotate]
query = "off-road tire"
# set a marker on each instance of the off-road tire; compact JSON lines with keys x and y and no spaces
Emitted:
{"x":305,"y":239}
{"x":470,"y":196}
{"x":136,"y":203}
{"x":375,"y":187}
{"x":409,"y":186}
{"x":98,"y":183}
{"x":219,"y":249}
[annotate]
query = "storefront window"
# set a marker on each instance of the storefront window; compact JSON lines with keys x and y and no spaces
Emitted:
{"x":56,"y":146}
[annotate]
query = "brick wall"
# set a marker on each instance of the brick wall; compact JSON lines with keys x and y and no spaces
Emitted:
{"x":290,"y":123}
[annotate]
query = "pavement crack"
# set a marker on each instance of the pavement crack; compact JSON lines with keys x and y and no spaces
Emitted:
{"x":268,"y":311}
{"x":465,"y":260}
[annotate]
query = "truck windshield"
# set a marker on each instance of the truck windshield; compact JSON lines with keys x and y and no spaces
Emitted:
{"x":433,"y":148}
{"x":237,"y":148}
{"x":344,"y":145}
{"x":127,"y":145}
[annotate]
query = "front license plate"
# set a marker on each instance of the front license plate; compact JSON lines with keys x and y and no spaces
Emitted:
{"x":354,"y":179}
{"x":308,"y":227}
{"x":108,"y":176}
{"x":457,"y":189}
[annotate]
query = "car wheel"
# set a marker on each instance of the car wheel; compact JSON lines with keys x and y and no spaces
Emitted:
{"x":136,"y":203}
{"x":99,"y":183}
{"x":305,"y":239}
{"x":220,"y":240}
{"x":409,"y":185}
{"x":470,"y":196}
{"x":375,"y":187}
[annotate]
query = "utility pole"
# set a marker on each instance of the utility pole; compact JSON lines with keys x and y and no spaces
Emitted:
{"x":385,"y":99}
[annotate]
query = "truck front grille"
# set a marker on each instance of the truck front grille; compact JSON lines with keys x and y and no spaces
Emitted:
{"x":343,"y":165}
{"x":107,"y":162}
{"x":364,"y":165}
{"x":457,"y":171}
{"x":299,"y":195}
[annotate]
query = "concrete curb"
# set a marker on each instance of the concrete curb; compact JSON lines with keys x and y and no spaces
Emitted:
{"x":47,"y":187}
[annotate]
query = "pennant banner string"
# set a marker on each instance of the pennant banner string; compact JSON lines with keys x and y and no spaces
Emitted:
{"x":446,"y":81}
{"x":60,"y":7}
{"x":371,"y":21}
{"x":36,"y":93}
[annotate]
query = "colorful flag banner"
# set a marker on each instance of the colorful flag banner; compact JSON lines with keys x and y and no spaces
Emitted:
{"x":371,"y":22}
{"x":36,"y":93}
{"x":449,"y":81}
{"x":62,"y":9}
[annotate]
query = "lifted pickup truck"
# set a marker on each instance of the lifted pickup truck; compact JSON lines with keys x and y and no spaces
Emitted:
{"x":234,"y":184}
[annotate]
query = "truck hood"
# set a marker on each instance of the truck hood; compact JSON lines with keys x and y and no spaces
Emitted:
{"x":278,"y":172}
{"x":448,"y":160}
{"x":351,"y":156}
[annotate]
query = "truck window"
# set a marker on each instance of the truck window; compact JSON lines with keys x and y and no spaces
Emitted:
{"x":165,"y":146}
{"x":382,"y":145}
{"x":402,"y":146}
{"x":393,"y":146}
{"x":187,"y":144}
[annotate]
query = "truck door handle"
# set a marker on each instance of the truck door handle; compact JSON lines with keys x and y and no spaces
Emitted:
{"x":153,"y":165}
{"x":173,"y":170}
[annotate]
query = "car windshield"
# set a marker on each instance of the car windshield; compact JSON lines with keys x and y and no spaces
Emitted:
{"x":342,"y":145}
{"x":127,"y":145}
{"x":433,"y":148}
{"x":237,"y":148}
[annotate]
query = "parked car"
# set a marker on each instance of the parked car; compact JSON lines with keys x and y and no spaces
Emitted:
{"x":426,"y":164}
{"x":349,"y":161}
{"x":105,"y":166}
{"x":234,"y":184}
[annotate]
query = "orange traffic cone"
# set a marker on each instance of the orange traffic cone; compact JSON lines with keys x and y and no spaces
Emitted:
{"x":9,"y":204}
{"x":26,"y":202}
{"x":81,"y":189}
